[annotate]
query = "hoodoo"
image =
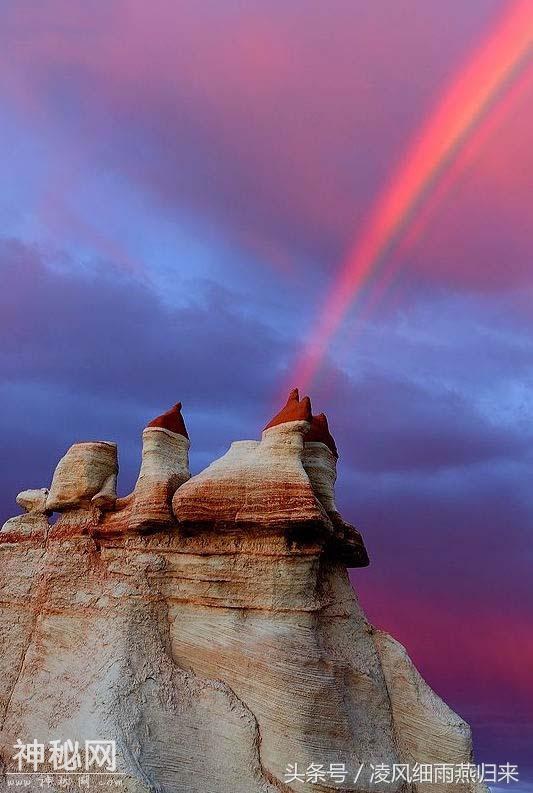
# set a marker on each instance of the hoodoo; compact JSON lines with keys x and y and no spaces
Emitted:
{"x":206,"y":625}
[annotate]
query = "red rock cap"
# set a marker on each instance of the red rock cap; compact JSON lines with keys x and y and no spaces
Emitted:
{"x":320,"y":432}
{"x":171,"y":420}
{"x":294,"y":410}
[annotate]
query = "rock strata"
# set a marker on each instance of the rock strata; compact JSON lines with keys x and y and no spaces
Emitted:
{"x":207,"y":625}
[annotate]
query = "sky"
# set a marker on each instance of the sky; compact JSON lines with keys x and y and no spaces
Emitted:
{"x":182,"y":187}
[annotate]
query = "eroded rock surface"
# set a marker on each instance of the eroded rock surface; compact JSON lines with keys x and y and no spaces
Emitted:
{"x":207,"y":624}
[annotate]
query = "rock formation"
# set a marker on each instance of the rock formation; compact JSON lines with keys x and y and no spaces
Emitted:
{"x":207,"y":624}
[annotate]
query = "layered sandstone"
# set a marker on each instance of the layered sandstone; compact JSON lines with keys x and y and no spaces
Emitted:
{"x":207,"y":624}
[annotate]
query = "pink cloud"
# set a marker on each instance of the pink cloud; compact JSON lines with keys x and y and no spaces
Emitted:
{"x":282,"y":122}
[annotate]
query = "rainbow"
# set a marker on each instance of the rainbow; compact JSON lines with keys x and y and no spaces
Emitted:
{"x":484,"y":80}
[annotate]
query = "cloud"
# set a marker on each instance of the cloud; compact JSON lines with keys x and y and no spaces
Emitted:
{"x":106,"y":333}
{"x":272,"y":125}
{"x":94,"y":353}
{"x":398,"y":425}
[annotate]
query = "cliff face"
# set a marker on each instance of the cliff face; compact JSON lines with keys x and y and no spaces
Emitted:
{"x":207,"y":624}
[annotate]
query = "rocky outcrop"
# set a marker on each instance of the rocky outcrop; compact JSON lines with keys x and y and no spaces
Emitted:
{"x":207,"y":624}
{"x":87,"y":474}
{"x":34,"y":521}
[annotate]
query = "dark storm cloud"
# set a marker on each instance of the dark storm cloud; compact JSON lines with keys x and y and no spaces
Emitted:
{"x":105,"y":333}
{"x":399,"y":425}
